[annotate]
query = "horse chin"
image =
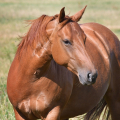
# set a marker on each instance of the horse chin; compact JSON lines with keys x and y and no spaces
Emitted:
{"x":84,"y":82}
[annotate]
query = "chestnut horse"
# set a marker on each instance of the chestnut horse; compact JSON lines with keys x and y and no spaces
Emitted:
{"x":56,"y":64}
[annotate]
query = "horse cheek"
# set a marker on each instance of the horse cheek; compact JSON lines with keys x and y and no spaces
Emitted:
{"x":59,"y":54}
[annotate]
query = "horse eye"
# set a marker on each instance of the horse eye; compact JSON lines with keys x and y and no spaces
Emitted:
{"x":67,"y":42}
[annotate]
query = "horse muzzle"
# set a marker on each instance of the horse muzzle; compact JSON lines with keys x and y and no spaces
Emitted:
{"x":92,"y":77}
{"x":89,"y":79}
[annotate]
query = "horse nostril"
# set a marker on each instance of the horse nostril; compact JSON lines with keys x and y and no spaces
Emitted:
{"x":92,"y":77}
{"x":89,"y":77}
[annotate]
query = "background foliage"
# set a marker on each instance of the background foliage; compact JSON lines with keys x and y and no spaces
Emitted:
{"x":13,"y":14}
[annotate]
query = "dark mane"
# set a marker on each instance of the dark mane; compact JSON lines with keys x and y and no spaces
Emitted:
{"x":36,"y":33}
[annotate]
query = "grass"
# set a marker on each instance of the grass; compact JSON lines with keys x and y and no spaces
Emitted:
{"x":13,"y":13}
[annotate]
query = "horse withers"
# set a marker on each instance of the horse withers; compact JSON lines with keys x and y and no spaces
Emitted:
{"x":62,"y":69}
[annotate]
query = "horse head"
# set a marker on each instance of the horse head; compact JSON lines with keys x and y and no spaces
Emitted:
{"x":68,"y":46}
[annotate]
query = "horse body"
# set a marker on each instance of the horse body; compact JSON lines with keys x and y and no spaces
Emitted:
{"x":32,"y":97}
{"x":39,"y":87}
{"x":98,"y":52}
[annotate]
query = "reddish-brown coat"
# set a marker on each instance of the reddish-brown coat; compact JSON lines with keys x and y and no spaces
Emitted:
{"x":40,"y":86}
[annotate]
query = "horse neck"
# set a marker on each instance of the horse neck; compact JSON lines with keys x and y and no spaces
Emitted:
{"x":42,"y":55}
{"x":22,"y":70}
{"x":32,"y":59}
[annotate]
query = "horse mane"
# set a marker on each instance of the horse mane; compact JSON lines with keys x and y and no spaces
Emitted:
{"x":36,"y":34}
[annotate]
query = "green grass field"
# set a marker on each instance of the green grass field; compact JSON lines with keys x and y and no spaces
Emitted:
{"x":13,"y":14}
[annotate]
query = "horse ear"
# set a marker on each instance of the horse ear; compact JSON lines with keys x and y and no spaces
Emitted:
{"x":61,"y":15}
{"x":78,"y":15}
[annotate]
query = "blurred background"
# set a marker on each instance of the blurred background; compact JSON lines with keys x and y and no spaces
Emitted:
{"x":14,"y":13}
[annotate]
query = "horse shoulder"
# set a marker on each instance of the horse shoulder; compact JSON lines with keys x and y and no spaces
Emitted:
{"x":108,"y":38}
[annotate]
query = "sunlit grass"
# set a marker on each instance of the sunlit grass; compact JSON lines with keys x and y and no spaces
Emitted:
{"x":13,"y":14}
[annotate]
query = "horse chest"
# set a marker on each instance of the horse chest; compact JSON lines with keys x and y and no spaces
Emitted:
{"x":42,"y":101}
{"x":34,"y":105}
